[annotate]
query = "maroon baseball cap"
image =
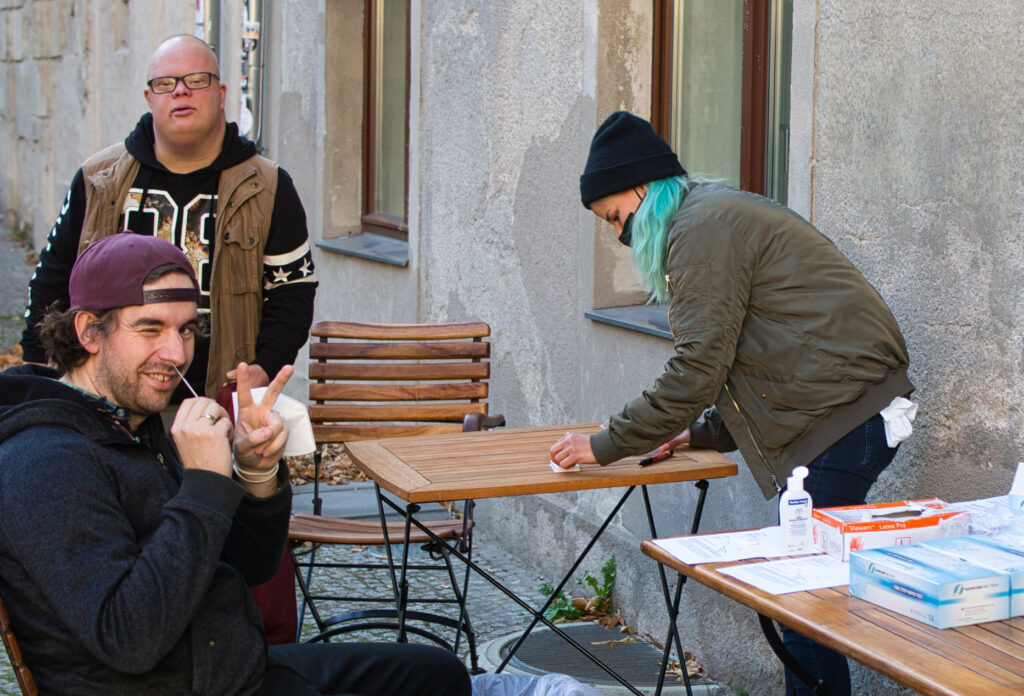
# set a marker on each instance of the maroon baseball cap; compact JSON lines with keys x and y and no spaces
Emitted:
{"x":111,"y":272}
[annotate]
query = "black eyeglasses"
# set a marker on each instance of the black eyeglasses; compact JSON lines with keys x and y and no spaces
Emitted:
{"x":196,"y":80}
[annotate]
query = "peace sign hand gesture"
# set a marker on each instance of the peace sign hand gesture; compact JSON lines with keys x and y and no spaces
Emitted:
{"x":260,"y":436}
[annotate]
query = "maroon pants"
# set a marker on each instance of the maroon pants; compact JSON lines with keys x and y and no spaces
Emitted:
{"x":276,"y":602}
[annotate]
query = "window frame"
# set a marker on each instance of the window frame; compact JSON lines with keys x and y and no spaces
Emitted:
{"x":754,"y":90}
{"x":370,"y":219}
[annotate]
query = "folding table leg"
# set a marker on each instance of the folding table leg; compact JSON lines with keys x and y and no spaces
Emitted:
{"x":538,"y":615}
{"x":403,"y":581}
{"x":387,"y":542}
{"x":400,"y":581}
{"x":672,"y":605}
{"x":466,"y":544}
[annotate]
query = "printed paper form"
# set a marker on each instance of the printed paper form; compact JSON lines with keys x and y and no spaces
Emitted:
{"x":793,"y":574}
{"x":729,"y":546}
{"x":983,"y":505}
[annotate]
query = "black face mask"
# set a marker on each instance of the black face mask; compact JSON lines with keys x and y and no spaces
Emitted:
{"x":626,"y":236}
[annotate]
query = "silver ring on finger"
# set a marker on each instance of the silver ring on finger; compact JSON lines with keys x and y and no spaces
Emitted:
{"x":213,"y":418}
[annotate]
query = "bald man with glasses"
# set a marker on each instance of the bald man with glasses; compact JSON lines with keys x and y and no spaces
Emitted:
{"x":186,"y":175}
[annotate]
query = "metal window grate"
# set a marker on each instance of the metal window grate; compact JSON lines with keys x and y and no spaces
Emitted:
{"x":544,"y":652}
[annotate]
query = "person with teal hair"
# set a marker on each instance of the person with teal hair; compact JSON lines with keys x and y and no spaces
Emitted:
{"x":782,"y":349}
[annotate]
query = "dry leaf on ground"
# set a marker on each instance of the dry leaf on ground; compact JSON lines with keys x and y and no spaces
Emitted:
{"x":336,"y":468}
{"x":612,"y":643}
{"x":693,"y":668}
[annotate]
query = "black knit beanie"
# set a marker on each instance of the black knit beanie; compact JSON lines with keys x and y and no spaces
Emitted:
{"x":624,"y":153}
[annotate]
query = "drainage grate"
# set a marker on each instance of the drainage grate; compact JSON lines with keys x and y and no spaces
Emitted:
{"x":545,"y":651}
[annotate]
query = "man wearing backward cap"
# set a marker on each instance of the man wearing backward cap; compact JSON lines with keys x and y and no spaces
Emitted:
{"x":125,"y":557}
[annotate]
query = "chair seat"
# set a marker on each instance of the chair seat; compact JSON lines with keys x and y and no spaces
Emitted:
{"x":335,"y":530}
{"x":26,"y":681}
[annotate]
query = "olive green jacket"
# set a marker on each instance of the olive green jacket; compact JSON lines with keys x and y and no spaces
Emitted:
{"x":245,"y":203}
{"x":775,"y":328}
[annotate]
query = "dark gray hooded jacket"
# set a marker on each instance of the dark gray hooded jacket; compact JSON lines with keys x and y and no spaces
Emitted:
{"x":124,"y":573}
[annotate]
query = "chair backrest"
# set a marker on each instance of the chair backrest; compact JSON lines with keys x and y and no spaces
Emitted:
{"x":370,"y":381}
{"x":26,"y":682}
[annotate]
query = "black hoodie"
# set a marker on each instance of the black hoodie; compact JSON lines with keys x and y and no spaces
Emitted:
{"x":181,"y":207}
{"x":124,"y":573}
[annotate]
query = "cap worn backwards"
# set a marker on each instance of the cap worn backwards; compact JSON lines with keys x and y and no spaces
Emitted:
{"x":624,"y":153}
{"x":111,"y":272}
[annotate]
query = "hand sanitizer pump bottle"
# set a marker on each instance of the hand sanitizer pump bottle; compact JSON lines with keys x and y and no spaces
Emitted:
{"x":795,"y":515}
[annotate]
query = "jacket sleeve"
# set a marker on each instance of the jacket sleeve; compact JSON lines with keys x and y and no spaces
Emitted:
{"x":127,"y":600}
{"x":49,"y":283}
{"x":710,"y":433}
{"x":259,"y":532}
{"x":289,"y":282}
{"x":710,"y":271}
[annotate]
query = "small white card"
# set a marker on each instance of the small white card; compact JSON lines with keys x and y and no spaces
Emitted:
{"x":559,"y":470}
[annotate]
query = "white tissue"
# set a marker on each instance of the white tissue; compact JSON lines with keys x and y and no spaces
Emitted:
{"x":296,"y":422}
{"x":559,"y":470}
{"x":898,"y":416}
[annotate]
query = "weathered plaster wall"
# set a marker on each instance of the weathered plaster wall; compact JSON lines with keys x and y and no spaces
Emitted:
{"x":917,"y":178}
{"x":498,"y":228}
{"x":71,"y":79}
{"x":72,"y":75}
{"x":510,"y":97}
{"x":904,"y":151}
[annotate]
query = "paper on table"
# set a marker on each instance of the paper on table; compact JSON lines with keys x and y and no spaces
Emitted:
{"x":559,"y":470}
{"x":987,"y":516}
{"x":793,"y":574}
{"x":981,"y":505}
{"x":730,"y":546}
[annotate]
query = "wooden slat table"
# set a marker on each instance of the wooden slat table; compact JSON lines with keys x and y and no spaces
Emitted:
{"x":980,"y":660}
{"x":510,"y":462}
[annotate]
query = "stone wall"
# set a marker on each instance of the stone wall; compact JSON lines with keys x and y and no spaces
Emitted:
{"x":903,"y":150}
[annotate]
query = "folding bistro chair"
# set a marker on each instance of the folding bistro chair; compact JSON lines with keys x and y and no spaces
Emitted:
{"x":21,"y":671}
{"x":372,"y":381}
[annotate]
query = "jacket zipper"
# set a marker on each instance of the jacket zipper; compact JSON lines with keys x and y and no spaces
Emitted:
{"x":672,"y":291}
{"x":750,"y":434}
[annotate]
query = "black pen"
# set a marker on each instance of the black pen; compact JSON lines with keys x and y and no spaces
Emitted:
{"x":656,"y":457}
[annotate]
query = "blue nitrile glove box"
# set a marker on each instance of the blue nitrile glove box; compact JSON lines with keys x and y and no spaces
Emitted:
{"x":987,"y":553}
{"x":930,"y":586}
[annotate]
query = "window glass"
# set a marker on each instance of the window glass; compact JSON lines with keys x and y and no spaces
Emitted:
{"x":707,"y":78}
{"x":727,"y":90}
{"x":389,"y":76}
{"x":781,"y":59}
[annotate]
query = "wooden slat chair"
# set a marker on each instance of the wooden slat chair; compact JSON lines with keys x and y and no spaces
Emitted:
{"x":372,"y":381}
{"x":21,"y":671}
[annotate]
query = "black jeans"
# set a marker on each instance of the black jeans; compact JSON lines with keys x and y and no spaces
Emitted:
{"x":842,"y":475}
{"x":381,"y":669}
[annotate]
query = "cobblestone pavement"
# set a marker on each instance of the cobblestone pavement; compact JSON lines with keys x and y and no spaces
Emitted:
{"x":491,"y":612}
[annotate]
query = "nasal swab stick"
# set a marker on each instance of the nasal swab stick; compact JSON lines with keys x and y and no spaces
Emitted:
{"x":185,"y":381}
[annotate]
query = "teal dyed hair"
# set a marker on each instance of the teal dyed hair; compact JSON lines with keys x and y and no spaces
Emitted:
{"x":650,"y":232}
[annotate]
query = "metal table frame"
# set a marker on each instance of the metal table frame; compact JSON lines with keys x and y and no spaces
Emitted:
{"x":696,"y":468}
{"x":672,"y":603}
